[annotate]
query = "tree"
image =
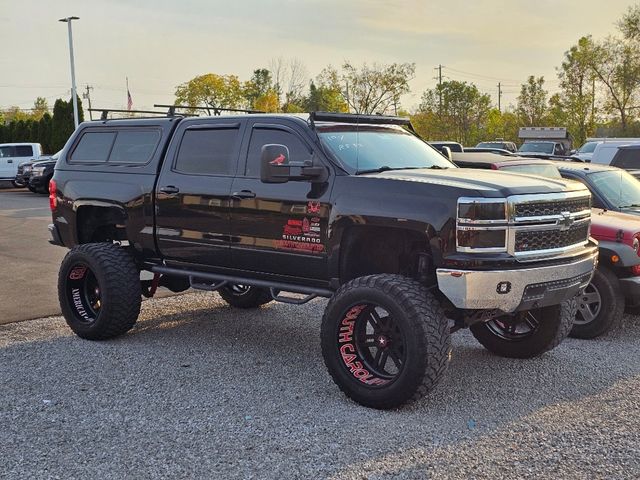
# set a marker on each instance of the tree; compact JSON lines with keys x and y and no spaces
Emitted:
{"x":616,"y":64}
{"x":532,"y":102}
{"x":212,"y":91}
{"x":268,"y":102}
{"x":40,"y":107}
{"x":629,"y":25}
{"x":376,"y":88}
{"x":576,"y":101}
{"x":62,"y":123}
{"x":290,"y":78}
{"x":258,"y":86}
{"x":463,"y":115}
{"x":325,"y":94}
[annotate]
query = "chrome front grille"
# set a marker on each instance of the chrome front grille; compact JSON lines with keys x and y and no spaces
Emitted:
{"x":545,"y":225}
{"x":539,"y":209}
{"x":530,"y":240}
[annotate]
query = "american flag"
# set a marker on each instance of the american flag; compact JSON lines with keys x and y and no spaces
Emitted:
{"x":129,"y":100}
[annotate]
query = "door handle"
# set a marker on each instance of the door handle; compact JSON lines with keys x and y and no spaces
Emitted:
{"x":243,"y":194}
{"x":170,"y":190}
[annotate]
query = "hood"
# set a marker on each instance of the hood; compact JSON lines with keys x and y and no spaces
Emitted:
{"x":487,"y":183}
{"x":613,"y":226}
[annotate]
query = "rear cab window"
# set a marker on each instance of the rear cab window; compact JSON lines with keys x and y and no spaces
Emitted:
{"x":24,"y":151}
{"x":627,"y":158}
{"x":119,"y":146}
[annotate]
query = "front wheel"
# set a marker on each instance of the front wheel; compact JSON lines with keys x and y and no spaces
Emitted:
{"x":99,"y":290}
{"x":526,"y":334}
{"x":17,"y":184}
{"x":385,"y":340}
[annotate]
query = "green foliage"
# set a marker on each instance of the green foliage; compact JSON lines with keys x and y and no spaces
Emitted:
{"x":463,"y":116}
{"x":629,"y":24}
{"x":376,"y":88}
{"x":62,"y":125}
{"x":532,"y":102}
{"x":211,"y":90}
{"x":258,"y":89}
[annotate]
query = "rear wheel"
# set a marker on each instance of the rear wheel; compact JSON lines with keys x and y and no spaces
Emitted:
{"x":526,"y":334}
{"x":385,"y":340}
{"x":99,"y":290}
{"x":600,"y":307}
{"x":245,"y":296}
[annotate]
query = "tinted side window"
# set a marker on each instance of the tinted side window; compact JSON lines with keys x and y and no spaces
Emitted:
{"x":298,"y":151}
{"x":627,"y":158}
{"x":93,"y":147}
{"x":208,"y":152}
{"x":134,"y":146}
{"x":24,"y":151}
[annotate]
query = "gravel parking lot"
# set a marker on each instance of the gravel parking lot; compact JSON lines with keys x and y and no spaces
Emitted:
{"x":200,"y":390}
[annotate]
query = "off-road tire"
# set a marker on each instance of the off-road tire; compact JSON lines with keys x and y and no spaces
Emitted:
{"x":245,"y":297}
{"x":111,"y":271}
{"x":421,"y":324}
{"x":32,"y":189}
{"x":611,"y":310}
{"x":554,"y":324}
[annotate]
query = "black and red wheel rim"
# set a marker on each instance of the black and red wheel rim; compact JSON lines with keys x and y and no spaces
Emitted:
{"x":371,"y":344}
{"x":83,"y":293}
{"x":515,"y":328}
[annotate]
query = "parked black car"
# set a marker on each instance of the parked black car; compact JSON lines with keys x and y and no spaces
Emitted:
{"x":355,"y":208}
{"x":41,"y":173}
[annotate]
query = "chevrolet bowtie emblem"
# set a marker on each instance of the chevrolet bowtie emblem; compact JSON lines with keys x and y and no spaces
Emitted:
{"x":566,"y":221}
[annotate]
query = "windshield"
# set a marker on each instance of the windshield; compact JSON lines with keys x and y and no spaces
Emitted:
{"x":365,"y":148}
{"x":549,"y":171}
{"x":588,"y":147}
{"x":618,"y":187}
{"x":537,"y":147}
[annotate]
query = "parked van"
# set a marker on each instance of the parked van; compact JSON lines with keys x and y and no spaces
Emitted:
{"x":606,"y":150}
{"x":12,"y":155}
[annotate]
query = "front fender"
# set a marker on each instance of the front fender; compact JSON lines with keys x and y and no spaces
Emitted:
{"x":628,"y":256}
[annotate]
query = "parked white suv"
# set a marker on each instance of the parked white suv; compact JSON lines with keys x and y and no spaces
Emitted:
{"x":12,"y":155}
{"x":606,"y":148}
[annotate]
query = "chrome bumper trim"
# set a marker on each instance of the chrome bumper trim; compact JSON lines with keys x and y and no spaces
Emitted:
{"x":505,"y":289}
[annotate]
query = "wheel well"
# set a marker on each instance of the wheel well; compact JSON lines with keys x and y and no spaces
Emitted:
{"x":100,"y":224}
{"x":371,"y":250}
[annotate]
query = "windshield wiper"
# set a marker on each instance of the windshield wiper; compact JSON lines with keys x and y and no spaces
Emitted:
{"x":630,"y":206}
{"x":386,"y":168}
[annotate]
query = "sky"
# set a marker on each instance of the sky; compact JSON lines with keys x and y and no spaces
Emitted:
{"x":159,"y":44}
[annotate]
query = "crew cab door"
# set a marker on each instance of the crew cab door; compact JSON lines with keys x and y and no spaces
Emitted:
{"x":6,"y":162}
{"x":279,"y":229}
{"x":192,"y":192}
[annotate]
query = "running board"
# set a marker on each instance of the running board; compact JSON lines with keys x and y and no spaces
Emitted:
{"x":200,"y":279}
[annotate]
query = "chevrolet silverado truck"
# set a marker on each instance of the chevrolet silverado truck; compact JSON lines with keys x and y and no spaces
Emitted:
{"x":357,"y":209}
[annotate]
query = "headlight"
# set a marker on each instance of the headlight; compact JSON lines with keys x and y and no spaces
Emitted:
{"x":482,"y":225}
{"x":37,"y":171}
{"x":475,"y":238}
{"x":481,"y":210}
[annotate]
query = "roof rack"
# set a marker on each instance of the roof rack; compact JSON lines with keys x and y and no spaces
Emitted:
{"x":216,"y":110}
{"x":106,"y":111}
{"x":357,"y":118}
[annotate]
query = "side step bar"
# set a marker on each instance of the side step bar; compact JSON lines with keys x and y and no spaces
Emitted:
{"x":200,"y":280}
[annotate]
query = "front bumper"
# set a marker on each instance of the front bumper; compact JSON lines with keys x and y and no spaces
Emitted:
{"x":55,"y":235}
{"x":517,"y":290}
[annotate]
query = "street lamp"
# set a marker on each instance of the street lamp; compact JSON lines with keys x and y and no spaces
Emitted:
{"x":68,"y":20}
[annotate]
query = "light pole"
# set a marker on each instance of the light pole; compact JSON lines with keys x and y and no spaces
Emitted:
{"x":68,"y":20}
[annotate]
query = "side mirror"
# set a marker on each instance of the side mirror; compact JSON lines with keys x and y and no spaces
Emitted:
{"x":276,"y":167}
{"x":274,"y":164}
{"x":446,"y":151}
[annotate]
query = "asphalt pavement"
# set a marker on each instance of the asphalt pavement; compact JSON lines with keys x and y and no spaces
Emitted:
{"x":28,"y":263}
{"x":200,"y":390}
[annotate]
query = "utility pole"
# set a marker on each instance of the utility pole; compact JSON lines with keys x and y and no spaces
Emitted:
{"x":499,"y":95}
{"x":87,"y":97}
{"x":439,"y":78}
{"x":68,"y":20}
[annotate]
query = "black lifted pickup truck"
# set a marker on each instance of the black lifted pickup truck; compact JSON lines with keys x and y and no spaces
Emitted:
{"x":406,"y":246}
